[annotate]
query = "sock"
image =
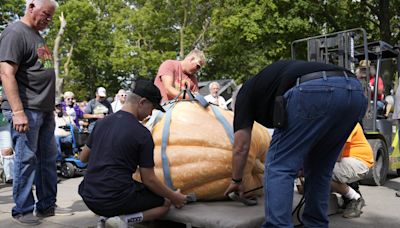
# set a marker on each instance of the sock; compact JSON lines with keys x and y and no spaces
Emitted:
{"x":132,"y":218}
{"x":351,"y":194}
{"x":355,"y":186}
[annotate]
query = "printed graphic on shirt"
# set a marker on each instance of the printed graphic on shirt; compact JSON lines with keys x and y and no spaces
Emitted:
{"x":100,"y":109}
{"x":45,"y":56}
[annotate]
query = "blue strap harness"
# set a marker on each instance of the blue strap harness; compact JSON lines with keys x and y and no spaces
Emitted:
{"x":165,"y":134}
{"x":227,"y":126}
{"x":164,"y":143}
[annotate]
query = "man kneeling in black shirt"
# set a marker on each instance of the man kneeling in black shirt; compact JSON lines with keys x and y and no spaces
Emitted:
{"x":118,"y":144}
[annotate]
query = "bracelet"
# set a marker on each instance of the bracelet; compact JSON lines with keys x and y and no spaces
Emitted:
{"x":236,"y":181}
{"x":20,"y":111}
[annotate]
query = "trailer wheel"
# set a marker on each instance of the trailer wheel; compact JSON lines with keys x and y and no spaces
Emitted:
{"x":377,"y":173}
{"x":67,"y":170}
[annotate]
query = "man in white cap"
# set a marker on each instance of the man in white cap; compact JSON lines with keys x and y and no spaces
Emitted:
{"x":97,"y":108}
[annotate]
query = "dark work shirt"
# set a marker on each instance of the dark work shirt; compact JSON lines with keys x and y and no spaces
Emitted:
{"x":255,"y":100}
{"x":119,"y":143}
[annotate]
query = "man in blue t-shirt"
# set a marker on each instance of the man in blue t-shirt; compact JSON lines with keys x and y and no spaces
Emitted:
{"x":118,"y":144}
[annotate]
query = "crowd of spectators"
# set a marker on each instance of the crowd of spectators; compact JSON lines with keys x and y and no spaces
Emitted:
{"x":83,"y":114}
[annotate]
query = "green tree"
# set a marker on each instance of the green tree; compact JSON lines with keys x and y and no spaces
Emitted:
{"x":379,"y":18}
{"x":89,"y":33}
{"x":10,"y":10}
{"x":247,"y":35}
{"x":152,"y":31}
{"x":117,"y":40}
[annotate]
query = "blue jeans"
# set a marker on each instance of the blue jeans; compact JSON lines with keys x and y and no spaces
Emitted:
{"x":321,"y":115}
{"x":35,"y":162}
{"x":61,"y":140}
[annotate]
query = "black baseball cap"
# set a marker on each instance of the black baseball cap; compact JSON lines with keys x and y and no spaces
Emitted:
{"x":145,"y":88}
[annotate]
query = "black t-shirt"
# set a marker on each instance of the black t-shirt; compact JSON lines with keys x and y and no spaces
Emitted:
{"x":119,"y":143}
{"x":255,"y":100}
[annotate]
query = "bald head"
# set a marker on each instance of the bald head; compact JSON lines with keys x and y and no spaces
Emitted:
{"x":39,"y":3}
{"x":39,"y":13}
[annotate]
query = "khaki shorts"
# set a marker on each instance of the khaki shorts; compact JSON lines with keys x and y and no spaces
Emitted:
{"x":349,"y":170}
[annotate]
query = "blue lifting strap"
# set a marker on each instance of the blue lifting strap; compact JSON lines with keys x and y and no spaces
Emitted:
{"x":227,"y":126}
{"x":164,"y":142}
{"x":202,"y":101}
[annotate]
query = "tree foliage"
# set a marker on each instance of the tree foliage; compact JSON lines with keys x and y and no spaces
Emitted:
{"x":9,"y":11}
{"x":116,"y":40}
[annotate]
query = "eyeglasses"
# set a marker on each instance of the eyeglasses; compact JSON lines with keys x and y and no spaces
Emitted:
{"x":48,"y":16}
{"x":69,"y":99}
{"x":123,"y":95}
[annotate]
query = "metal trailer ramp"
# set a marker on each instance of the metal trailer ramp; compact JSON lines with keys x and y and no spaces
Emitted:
{"x":229,"y":214}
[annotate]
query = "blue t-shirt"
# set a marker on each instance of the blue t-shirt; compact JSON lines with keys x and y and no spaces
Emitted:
{"x":119,"y":143}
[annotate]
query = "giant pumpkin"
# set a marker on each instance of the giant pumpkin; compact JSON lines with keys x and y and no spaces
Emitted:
{"x":199,"y":151}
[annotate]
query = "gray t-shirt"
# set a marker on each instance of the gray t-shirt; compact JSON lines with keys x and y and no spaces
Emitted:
{"x":24,"y":46}
{"x":97,"y":107}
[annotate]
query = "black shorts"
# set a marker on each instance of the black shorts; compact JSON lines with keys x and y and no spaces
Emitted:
{"x":138,"y":200}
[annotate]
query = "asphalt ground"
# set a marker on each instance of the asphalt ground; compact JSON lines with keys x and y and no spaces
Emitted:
{"x":382,"y":209}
